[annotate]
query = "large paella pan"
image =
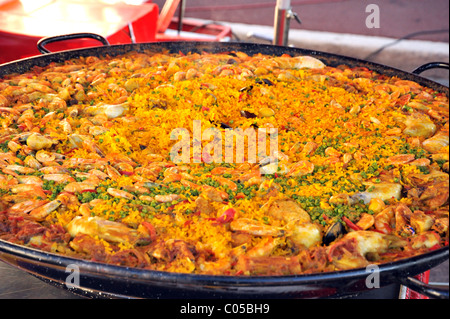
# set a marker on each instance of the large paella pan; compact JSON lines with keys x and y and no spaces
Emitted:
{"x":106,"y":170}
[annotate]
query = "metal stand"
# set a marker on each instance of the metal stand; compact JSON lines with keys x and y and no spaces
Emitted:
{"x":283,"y":16}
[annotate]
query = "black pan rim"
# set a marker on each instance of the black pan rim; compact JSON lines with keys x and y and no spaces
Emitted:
{"x":402,"y":267}
{"x":332,"y":59}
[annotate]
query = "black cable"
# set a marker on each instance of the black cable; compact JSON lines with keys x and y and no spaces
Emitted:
{"x":408,"y":36}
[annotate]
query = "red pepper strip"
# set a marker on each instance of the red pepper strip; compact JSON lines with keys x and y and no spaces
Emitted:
{"x":227,"y":216}
{"x":437,"y":246}
{"x":151,"y":230}
{"x":14,"y":217}
{"x":240,"y":196}
{"x":349,"y":223}
{"x":187,"y":223}
{"x":88,"y":191}
{"x":126,"y":173}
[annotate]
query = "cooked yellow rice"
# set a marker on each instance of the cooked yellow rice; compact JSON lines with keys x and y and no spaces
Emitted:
{"x":355,"y":119}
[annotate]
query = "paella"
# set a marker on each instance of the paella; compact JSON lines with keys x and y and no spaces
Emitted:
{"x":222,"y":163}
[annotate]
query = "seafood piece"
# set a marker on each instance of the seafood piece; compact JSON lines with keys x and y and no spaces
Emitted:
{"x":34,"y":180}
{"x":11,"y":169}
{"x":383,"y":191}
{"x":7,"y":181}
{"x":43,"y":211}
{"x":335,"y":231}
{"x":365,"y":221}
{"x":26,"y":206}
{"x":402,"y":220}
{"x":436,"y":194}
{"x":427,"y":239}
{"x":103,"y":229}
{"x":421,"y":222}
{"x":354,"y":248}
{"x":288,"y":210}
{"x":120,"y":193}
{"x":167,"y":198}
{"x":255,"y":228}
{"x":438,"y":141}
{"x":301,"y":168}
{"x":419,"y":125}
{"x":58,"y":178}
{"x":304,"y":234}
{"x":76,"y":187}
{"x":384,"y":221}
{"x":112,"y":111}
{"x":44,"y":156}
{"x":226,"y":182}
{"x":298,"y":226}
{"x":264,"y":248}
{"x":38,"y":142}
{"x":401,"y":159}
{"x":86,"y":142}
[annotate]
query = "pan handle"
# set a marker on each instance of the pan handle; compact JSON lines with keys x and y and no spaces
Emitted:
{"x":431,"y":65}
{"x":44,"y":41}
{"x":425,"y":289}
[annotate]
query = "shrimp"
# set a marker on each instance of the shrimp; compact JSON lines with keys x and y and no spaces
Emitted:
{"x":43,"y":211}
{"x":32,"y":162}
{"x":120,"y":193}
{"x":384,"y":221}
{"x":301,"y":168}
{"x":44,"y":156}
{"x":167,"y":198}
{"x":226,"y":182}
{"x":401,"y":159}
{"x":214,"y":194}
{"x":255,"y":228}
{"x":264,"y":248}
{"x":26,"y":206}
{"x":14,"y":169}
{"x":58,"y":178}
{"x":76,"y":187}
{"x":34,"y":180}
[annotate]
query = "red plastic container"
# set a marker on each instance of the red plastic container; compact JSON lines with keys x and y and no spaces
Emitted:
{"x":23,"y":23}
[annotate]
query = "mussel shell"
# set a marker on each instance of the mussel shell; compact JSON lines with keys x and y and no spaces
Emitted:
{"x":246,"y":88}
{"x":248,"y":115}
{"x":265,"y":81}
{"x":334,"y":232}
